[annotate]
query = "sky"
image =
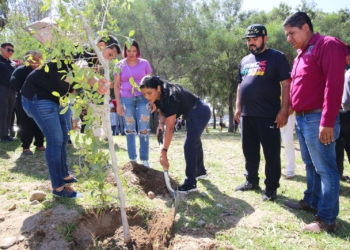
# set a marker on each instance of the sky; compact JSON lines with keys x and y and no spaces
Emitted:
{"x":267,"y":5}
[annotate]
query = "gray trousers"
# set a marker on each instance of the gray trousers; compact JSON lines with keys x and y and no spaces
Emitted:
{"x":7,"y":106}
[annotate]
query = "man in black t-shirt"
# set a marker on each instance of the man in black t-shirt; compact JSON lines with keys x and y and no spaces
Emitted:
{"x":7,"y":93}
{"x":259,"y":109}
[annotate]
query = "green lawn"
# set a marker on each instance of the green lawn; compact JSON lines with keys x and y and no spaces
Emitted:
{"x":239,"y":220}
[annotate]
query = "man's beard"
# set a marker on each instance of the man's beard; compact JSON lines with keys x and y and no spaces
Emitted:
{"x":257,"y":50}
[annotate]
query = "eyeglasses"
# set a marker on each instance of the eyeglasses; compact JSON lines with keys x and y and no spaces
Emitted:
{"x":10,"y":50}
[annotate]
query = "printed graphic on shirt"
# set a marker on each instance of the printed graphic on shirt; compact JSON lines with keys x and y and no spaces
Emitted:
{"x":254,"y":69}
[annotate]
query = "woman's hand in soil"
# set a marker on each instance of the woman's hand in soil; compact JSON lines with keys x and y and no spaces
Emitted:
{"x":164,"y":160}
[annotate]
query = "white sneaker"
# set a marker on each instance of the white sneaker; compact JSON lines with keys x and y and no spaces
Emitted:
{"x":146,"y":164}
{"x":289,"y":175}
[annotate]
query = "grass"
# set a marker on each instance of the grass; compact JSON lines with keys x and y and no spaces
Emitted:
{"x":250,"y":224}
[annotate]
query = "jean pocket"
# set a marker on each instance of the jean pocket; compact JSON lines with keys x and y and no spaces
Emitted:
{"x":311,"y":118}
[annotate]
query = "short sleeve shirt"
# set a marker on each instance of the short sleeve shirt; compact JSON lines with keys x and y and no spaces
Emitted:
{"x":138,"y":71}
{"x":260,"y":76}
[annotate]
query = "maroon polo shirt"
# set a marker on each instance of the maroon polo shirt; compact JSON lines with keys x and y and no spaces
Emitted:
{"x":318,"y":77}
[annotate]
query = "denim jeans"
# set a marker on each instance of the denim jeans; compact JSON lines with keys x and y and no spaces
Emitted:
{"x":196,"y":121}
{"x":54,"y":126}
{"x":136,"y":111}
{"x":120,"y":125}
{"x":256,"y":131}
{"x":68,"y":116}
{"x":322,"y":175}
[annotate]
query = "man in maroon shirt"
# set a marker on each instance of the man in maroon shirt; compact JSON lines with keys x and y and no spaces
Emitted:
{"x":316,"y":92}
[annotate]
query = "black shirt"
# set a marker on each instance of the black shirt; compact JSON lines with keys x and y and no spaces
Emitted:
{"x":175,"y":99}
{"x":260,"y":76}
{"x":6,"y":69}
{"x":43,"y":83}
{"x":18,"y":77}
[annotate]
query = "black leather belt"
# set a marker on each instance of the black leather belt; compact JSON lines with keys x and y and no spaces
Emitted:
{"x":312,"y":111}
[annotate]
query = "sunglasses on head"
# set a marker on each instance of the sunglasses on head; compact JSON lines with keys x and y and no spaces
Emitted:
{"x":9,"y":50}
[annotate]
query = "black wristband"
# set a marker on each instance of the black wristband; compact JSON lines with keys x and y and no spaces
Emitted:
{"x":165,"y":149}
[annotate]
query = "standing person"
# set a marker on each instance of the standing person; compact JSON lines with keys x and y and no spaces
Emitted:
{"x":222,"y":124}
{"x":39,"y":103}
{"x":287,"y":135}
{"x":27,"y":126}
{"x":120,"y":121}
{"x":316,"y":92}
{"x":7,"y":93}
{"x":258,"y":108}
{"x":113,"y":117}
{"x":173,"y":100}
{"x":131,"y":104}
{"x":343,"y":142}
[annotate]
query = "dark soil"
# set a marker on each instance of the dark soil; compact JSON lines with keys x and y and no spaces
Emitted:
{"x":147,"y":179}
{"x":104,"y":230}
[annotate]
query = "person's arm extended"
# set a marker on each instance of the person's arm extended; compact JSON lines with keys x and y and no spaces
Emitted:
{"x":282,"y":116}
{"x":120,"y":109}
{"x":168,"y":136}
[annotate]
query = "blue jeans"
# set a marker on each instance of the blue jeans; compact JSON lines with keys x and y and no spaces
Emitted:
{"x":54,"y":126}
{"x":322,"y":176}
{"x":68,"y":116}
{"x":120,"y":125}
{"x":196,"y":121}
{"x":136,"y":110}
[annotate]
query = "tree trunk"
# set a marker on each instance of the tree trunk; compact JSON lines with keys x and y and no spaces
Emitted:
{"x":106,"y":120}
{"x":214,"y":118}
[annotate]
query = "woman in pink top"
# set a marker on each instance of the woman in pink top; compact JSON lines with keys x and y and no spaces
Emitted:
{"x":131,"y":105}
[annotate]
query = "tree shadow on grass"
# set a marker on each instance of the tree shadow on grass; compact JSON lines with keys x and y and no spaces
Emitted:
{"x":35,"y":165}
{"x":344,"y":187}
{"x":343,"y":227}
{"x":218,"y":210}
{"x":5,"y":148}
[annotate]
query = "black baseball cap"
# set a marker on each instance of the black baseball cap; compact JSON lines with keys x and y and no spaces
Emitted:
{"x":255,"y":30}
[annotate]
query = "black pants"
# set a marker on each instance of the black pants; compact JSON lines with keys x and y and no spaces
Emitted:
{"x":256,"y":131}
{"x":7,"y":106}
{"x":28,"y":128}
{"x":343,"y":141}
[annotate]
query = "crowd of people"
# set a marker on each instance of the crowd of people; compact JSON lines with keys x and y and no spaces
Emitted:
{"x":273,"y":99}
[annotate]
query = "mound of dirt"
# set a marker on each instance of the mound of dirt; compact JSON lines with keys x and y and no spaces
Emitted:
{"x":146,"y":179}
{"x":104,"y":230}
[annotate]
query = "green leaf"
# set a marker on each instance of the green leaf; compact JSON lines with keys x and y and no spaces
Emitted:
{"x":46,"y":68}
{"x":77,"y":86}
{"x":54,"y":93}
{"x":63,"y":111}
{"x":131,"y":33}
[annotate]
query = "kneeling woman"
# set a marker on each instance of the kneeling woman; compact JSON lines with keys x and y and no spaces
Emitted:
{"x":172,"y":101}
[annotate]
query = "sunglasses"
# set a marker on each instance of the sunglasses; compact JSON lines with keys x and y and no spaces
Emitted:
{"x":10,"y":50}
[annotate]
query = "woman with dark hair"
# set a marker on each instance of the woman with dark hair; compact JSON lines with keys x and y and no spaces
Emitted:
{"x":172,"y":101}
{"x":131,"y":104}
{"x":40,"y":104}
